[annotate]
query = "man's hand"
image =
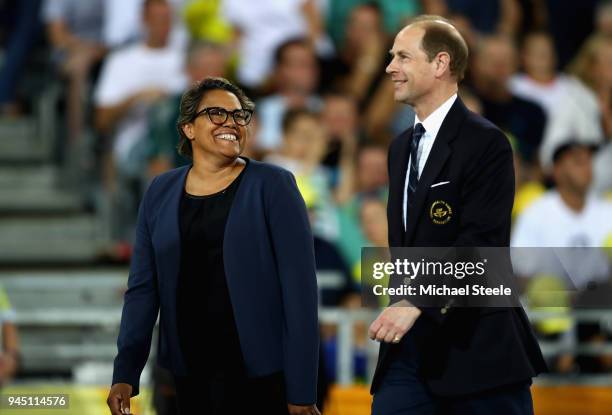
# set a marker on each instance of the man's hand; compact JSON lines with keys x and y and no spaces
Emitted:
{"x":394,"y":322}
{"x":303,"y":409}
{"x":119,"y":399}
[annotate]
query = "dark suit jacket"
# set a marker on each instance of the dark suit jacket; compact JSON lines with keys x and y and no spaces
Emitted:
{"x":466,"y":350}
{"x":270,"y":269}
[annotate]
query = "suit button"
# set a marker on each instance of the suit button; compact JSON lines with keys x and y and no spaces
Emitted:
{"x":407,"y":280}
{"x":443,"y":310}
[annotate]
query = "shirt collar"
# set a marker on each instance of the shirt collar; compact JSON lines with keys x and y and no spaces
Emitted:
{"x":433,"y":123}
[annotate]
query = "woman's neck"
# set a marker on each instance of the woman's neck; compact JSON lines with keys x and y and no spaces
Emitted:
{"x":207,"y":169}
{"x":210,"y":176}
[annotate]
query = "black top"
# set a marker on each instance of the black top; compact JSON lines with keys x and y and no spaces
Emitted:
{"x":206,"y":326}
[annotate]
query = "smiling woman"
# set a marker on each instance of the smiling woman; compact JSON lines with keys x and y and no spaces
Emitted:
{"x":224,"y":252}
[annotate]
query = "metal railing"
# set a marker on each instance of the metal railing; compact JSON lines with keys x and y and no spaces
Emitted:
{"x":108,"y":319}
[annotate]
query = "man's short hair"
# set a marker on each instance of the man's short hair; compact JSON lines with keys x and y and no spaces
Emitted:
{"x":372,"y":5}
{"x":570,"y":144}
{"x":441,"y":36}
{"x":534,"y":33}
{"x":279,"y":53}
{"x":196,"y":46}
{"x":293,"y":114}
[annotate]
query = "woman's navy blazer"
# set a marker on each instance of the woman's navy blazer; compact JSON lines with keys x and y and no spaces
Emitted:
{"x":269,"y":264}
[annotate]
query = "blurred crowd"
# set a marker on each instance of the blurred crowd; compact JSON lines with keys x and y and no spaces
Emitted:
{"x":539,"y":69}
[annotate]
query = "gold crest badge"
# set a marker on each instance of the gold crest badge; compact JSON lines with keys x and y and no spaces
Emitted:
{"x":440,"y":212}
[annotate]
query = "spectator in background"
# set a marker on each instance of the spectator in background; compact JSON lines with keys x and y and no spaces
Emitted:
{"x":603,"y":18}
{"x":204,"y":59}
{"x":572,"y":109}
{"x":359,"y":69}
{"x":527,"y":189}
{"x":75,"y":31}
{"x":340,"y":119}
{"x":489,"y":17}
{"x":9,"y":342}
{"x":334,"y":276}
{"x":567,"y":216}
{"x":372,"y":177}
{"x":394,"y":13}
{"x":593,"y":66}
{"x":123,"y":23}
{"x":371,"y":181}
{"x":21,"y":26}
{"x":304,"y":143}
{"x":373,"y":221}
{"x":359,"y":66}
{"x":570,"y":23}
{"x":296,"y":77}
{"x":261,"y":27}
{"x":495,"y":63}
{"x":132,"y":80}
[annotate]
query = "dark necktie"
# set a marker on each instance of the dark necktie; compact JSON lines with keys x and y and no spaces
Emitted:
{"x":413,"y":179}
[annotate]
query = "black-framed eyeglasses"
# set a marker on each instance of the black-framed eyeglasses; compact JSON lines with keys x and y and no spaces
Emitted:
{"x":218,"y":115}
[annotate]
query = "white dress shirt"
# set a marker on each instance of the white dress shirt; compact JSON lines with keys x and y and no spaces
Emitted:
{"x":432,"y":125}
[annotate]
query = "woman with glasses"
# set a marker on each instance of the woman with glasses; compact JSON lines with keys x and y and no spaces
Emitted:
{"x":224,"y":253}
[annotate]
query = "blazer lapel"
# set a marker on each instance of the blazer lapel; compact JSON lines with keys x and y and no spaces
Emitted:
{"x":396,"y":188}
{"x":438,"y":156}
{"x":168,"y":232}
{"x":440,"y":152}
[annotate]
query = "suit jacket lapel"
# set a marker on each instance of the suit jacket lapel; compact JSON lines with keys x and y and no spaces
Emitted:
{"x":168,"y":229}
{"x":396,"y":188}
{"x":440,"y":152}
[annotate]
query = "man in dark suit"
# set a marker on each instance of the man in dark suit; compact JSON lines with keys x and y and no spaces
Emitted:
{"x":448,"y":360}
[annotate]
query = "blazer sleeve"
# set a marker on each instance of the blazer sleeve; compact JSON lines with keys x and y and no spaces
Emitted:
{"x":140,"y":308}
{"x":294,"y":253}
{"x":487,"y":196}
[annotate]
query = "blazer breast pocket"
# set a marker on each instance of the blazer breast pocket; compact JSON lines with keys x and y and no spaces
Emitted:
{"x":441,"y":206}
{"x":438,"y":184}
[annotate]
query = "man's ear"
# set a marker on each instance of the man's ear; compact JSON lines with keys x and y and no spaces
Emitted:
{"x":188,"y":130}
{"x":442,"y":63}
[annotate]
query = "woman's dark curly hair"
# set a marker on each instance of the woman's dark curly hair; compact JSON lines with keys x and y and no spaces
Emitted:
{"x":190,"y":101}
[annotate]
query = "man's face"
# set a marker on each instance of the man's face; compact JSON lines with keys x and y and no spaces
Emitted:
{"x":158,"y":22}
{"x":412,"y":73}
{"x":539,"y":54}
{"x":573,"y":170}
{"x":364,"y":23}
{"x":304,"y":134}
{"x":604,"y":21}
{"x":372,"y":169}
{"x":374,"y":222}
{"x":495,"y":63}
{"x":207,"y":62}
{"x":340,"y":116}
{"x":297,"y":69}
